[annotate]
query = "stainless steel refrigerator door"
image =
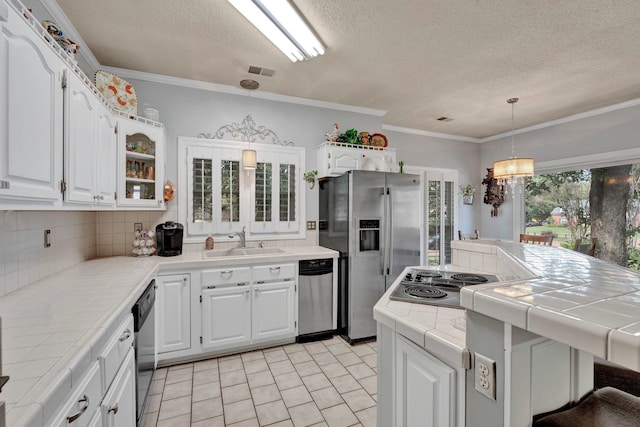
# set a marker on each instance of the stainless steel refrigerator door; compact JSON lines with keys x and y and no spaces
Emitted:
{"x":366,"y":279}
{"x":403,"y":222}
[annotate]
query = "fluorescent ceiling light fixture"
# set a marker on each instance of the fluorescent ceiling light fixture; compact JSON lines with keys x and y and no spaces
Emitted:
{"x":281,"y":24}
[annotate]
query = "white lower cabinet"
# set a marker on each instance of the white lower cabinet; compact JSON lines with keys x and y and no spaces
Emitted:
{"x":80,"y":408}
{"x":119,"y":404}
{"x":425,"y":388}
{"x":174,"y":313}
{"x":273,"y":310}
{"x":226,"y":317}
{"x":242,"y":306}
{"x":96,"y":421}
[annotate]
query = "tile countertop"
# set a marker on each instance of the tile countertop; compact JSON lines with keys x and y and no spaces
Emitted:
{"x":53,"y":329}
{"x":439,"y":330}
{"x":560,"y":294}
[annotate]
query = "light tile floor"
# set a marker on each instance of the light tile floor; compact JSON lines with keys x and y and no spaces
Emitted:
{"x":324,"y":383}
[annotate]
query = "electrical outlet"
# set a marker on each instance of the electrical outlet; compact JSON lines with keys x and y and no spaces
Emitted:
{"x":47,"y":238}
{"x":311,"y":225}
{"x":485,"y":375}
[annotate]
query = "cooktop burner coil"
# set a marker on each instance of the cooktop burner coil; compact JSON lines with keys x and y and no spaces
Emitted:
{"x":469,"y":277}
{"x":424,"y":292}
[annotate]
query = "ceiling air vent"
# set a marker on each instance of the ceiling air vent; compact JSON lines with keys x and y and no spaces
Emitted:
{"x":261,"y":71}
{"x":444,"y":119}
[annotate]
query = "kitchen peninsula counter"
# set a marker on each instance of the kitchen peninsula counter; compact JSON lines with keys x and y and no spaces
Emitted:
{"x":54,"y":328}
{"x":563,"y":295}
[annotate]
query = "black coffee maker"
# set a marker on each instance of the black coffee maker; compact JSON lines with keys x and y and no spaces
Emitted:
{"x":169,"y":238}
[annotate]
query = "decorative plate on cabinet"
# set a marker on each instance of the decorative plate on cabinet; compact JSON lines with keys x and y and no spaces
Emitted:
{"x":117,"y":91}
{"x":379,"y":140}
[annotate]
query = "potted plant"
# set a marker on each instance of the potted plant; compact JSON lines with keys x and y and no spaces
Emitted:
{"x":468,"y":191}
{"x":310,"y":177}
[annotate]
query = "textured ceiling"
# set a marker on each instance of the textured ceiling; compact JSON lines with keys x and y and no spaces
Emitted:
{"x":415,"y":59}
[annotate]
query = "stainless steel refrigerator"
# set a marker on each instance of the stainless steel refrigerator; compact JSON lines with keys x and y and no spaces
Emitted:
{"x":373,"y":220}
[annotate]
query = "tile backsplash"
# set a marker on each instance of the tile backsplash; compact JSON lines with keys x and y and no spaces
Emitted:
{"x":79,"y":236}
{"x":23,"y":257}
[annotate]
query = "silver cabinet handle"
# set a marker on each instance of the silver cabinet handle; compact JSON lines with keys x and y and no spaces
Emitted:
{"x":84,"y":399}
{"x":247,"y":291}
{"x":274,"y":268}
{"x":114,"y":409}
{"x":225,"y":272}
{"x":125,"y":335}
{"x":257,"y":290}
{"x":242,"y":284}
{"x":211,"y":286}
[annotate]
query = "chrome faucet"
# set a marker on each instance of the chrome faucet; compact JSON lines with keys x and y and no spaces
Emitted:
{"x":243,"y":239}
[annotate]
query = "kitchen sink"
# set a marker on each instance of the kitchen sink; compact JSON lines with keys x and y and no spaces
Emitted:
{"x":223,"y":253}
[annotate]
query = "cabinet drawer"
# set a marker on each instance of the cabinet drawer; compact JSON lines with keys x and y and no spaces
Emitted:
{"x":79,"y":410}
{"x":115,"y":351}
{"x":269,"y":273}
{"x":226,"y":276}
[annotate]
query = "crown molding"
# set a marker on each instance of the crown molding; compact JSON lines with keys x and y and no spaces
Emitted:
{"x":59,"y":17}
{"x":214,"y":87}
{"x":431,"y":134}
{"x":580,"y":116}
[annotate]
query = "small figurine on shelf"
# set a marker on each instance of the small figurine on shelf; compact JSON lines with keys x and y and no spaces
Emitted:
{"x":333,"y":134}
{"x":208,"y":244}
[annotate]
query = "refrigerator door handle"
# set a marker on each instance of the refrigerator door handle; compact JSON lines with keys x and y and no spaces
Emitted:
{"x":388,"y":233}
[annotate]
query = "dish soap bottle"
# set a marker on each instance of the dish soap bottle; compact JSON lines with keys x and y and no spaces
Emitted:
{"x":209,"y":243}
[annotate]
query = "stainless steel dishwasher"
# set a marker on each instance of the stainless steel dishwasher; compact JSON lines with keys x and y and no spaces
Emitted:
{"x":315,"y":300}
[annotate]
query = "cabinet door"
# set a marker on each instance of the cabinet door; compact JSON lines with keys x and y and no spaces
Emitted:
{"x":30,"y":114}
{"x":80,"y":141}
{"x":174,"y":313}
{"x":106,"y":142}
{"x":226,"y":317}
{"x":425,"y":388}
{"x":273,"y":311}
{"x":140,"y":164}
{"x":119,"y":404}
{"x":344,"y":159}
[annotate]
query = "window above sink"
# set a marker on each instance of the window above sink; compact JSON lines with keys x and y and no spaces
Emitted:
{"x":217,"y":197}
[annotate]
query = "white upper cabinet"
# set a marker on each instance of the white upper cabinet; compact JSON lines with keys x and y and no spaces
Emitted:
{"x":223,"y":198}
{"x":336,"y":158}
{"x":89,"y":146}
{"x":140,"y":164}
{"x":31,"y":108}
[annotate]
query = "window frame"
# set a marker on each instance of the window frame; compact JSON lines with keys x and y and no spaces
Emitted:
{"x":218,"y":150}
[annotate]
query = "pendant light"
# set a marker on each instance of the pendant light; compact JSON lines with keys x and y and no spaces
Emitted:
{"x":512,"y":171}
{"x":249,"y":155}
{"x":248,"y":159}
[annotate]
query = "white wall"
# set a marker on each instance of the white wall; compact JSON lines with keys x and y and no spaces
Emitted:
{"x":434,"y":152}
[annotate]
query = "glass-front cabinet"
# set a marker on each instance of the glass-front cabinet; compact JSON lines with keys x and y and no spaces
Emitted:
{"x":223,"y":198}
{"x":140,"y":164}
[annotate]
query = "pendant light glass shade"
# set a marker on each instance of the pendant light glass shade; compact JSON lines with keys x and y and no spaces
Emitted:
{"x":512,"y":171}
{"x":249,"y":159}
{"x":516,"y":167}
